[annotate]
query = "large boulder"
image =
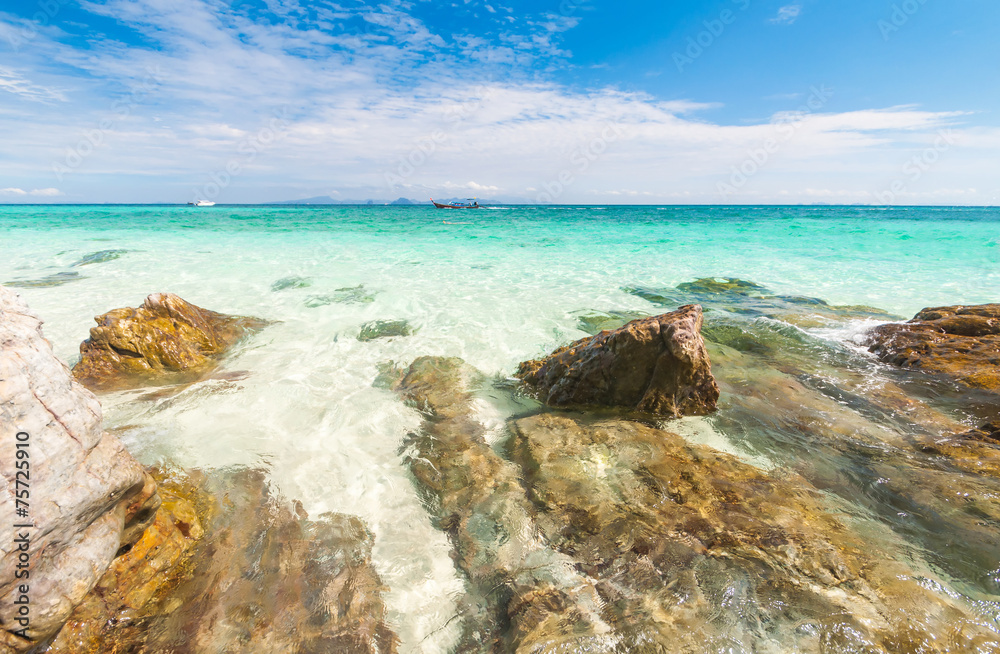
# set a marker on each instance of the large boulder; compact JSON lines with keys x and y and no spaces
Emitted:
{"x":656,"y":365}
{"x":80,"y":491}
{"x":165,"y":341}
{"x":959,"y":342}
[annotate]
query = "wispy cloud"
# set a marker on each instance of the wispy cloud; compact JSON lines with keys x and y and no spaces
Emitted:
{"x":13,"y":82}
{"x":787,"y":14}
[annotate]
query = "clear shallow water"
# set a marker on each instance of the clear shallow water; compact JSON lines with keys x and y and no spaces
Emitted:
{"x":507,"y":286}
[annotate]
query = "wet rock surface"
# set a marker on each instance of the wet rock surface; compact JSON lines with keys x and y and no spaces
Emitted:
{"x":525,"y":597}
{"x":961,"y":343}
{"x":687,"y":549}
{"x":165,"y":341}
{"x":231,"y":567}
{"x":87,"y":497}
{"x":655,"y":365}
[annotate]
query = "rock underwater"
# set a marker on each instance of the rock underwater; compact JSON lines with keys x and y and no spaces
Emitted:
{"x":165,"y":341}
{"x":87,"y":496}
{"x":611,"y":535}
{"x":656,"y":365}
{"x":960,"y":342}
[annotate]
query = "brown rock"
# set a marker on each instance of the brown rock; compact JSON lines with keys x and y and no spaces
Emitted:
{"x":80,"y":490}
{"x":959,"y":342}
{"x":655,"y":365}
{"x":165,"y":341}
{"x":229,"y":567}
{"x":692,"y":548}
{"x":534,"y":600}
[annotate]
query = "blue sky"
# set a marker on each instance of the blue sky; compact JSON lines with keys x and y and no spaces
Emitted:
{"x":575,"y":101}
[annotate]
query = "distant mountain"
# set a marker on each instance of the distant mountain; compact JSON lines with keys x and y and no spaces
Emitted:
{"x":326,"y":199}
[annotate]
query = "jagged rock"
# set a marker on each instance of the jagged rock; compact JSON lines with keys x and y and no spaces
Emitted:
{"x":384,"y":329}
{"x":656,"y":365}
{"x":476,"y":497}
{"x":959,"y":342}
{"x":85,"y":492}
{"x":229,"y":567}
{"x":165,"y":341}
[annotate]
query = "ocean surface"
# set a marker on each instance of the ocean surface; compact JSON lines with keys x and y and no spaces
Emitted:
{"x":495,"y":287}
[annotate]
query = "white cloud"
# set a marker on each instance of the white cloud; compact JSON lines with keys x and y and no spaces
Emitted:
{"x":39,"y":192}
{"x":224,"y":77}
{"x":12,"y":82}
{"x":787,"y":14}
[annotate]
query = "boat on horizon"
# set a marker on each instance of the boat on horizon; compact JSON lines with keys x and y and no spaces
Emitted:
{"x":201,"y":203}
{"x":471,"y":203}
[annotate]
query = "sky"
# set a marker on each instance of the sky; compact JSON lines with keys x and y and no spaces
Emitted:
{"x":550,"y":101}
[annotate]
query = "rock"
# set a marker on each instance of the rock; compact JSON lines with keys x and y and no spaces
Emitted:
{"x":596,"y":322}
{"x":99,"y":257}
{"x":231,"y":567}
{"x":286,"y":283}
{"x":657,"y":365}
{"x":384,"y":329}
{"x":57,"y":279}
{"x":477,"y":498}
{"x":961,"y":343}
{"x":692,"y":548}
{"x":85,"y":492}
{"x":165,"y":341}
{"x":749,"y":298}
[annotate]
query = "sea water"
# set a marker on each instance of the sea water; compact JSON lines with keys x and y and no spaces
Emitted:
{"x":493,"y":286}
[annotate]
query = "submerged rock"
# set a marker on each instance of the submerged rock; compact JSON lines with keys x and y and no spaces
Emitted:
{"x":348,"y":295}
{"x":749,"y":298}
{"x":477,"y":498}
{"x":384,"y":329}
{"x":57,"y":279}
{"x":596,"y":322}
{"x":959,"y":342}
{"x":82,"y":493}
{"x":165,"y":341}
{"x":286,"y":283}
{"x":656,"y":365}
{"x":693,"y":549}
{"x":231,"y":567}
{"x":102,"y":256}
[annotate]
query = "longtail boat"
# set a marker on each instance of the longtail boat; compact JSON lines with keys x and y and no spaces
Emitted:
{"x":471,"y":204}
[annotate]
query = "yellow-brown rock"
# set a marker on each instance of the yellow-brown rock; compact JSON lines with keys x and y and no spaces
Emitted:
{"x":960,"y":342}
{"x":165,"y":341}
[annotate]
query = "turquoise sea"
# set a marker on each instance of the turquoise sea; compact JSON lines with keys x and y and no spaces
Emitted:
{"x":495,"y":287}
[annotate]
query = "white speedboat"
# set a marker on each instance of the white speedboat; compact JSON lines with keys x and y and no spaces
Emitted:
{"x":202,"y":203}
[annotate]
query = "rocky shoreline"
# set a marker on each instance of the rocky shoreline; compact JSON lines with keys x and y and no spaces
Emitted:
{"x":592,"y":525}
